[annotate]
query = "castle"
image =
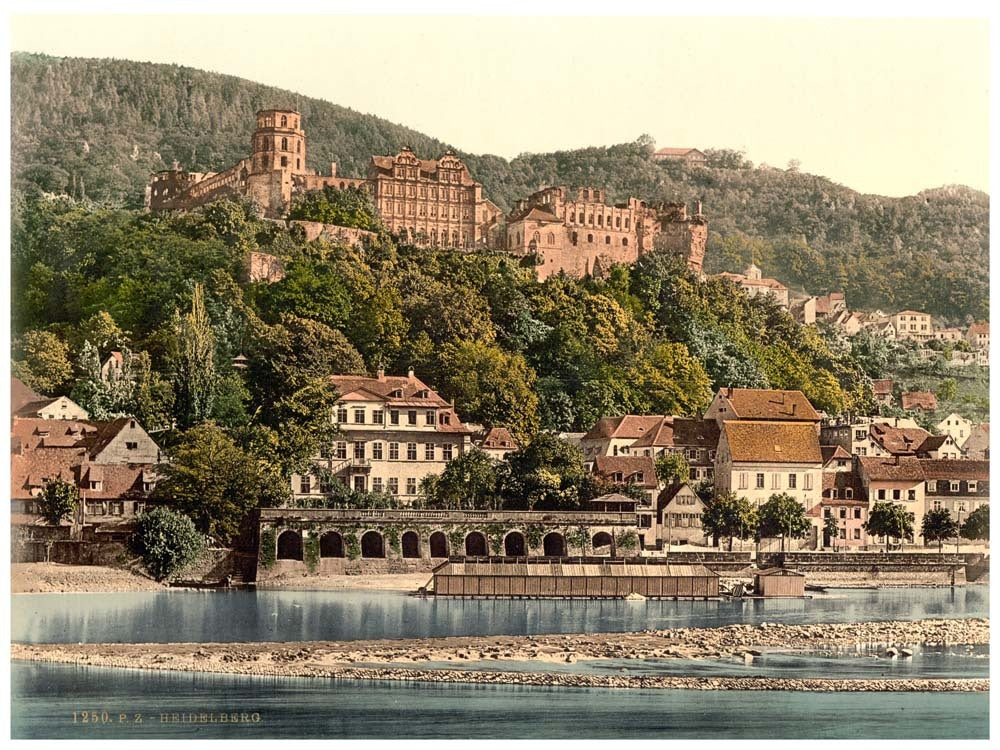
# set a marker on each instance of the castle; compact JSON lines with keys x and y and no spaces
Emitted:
{"x":422,"y":200}
{"x":579,"y":233}
{"x":437,"y":202}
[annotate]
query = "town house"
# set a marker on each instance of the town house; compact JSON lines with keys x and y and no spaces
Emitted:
{"x":895,"y":479}
{"x":695,"y":439}
{"x":957,"y":486}
{"x":910,"y":324}
{"x":394,"y":431}
{"x":613,"y":436}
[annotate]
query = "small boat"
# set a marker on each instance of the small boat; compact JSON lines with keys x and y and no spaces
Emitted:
{"x":815,"y":587}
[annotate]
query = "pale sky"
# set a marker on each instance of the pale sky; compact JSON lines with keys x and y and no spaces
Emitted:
{"x":882,"y":106}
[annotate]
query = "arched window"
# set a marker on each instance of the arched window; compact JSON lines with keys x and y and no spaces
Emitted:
{"x":607,"y":239}
{"x":551,"y":238}
{"x":514,"y":545}
{"x":554,"y":545}
{"x":298,"y":164}
{"x":299,"y":147}
{"x":518,"y":241}
{"x":602,"y":539}
{"x":411,"y":544}
{"x":618,"y":222}
{"x":600,"y":220}
{"x":475,"y":545}
{"x":590,"y":238}
{"x":284,"y":121}
{"x":290,"y":545}
{"x":331,"y":544}
{"x":372,"y":545}
{"x":439,"y":544}
{"x":586,"y":195}
{"x":624,"y":241}
{"x":284,"y":144}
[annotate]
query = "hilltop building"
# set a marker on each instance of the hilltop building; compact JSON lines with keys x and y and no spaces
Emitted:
{"x":911,"y":324}
{"x":577,"y":232}
{"x":689,"y":156}
{"x":754,"y":283}
{"x":424,"y":200}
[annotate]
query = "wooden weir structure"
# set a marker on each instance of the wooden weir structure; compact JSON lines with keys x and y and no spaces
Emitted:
{"x":572,"y":578}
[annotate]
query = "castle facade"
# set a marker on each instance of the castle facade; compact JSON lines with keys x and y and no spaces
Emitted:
{"x":424,"y":201}
{"x":577,"y":232}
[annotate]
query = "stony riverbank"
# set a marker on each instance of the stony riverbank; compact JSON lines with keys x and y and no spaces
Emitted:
{"x":362,"y":659}
{"x":51,"y":578}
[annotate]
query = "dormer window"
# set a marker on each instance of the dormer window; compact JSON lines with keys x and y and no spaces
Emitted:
{"x":423,"y":394}
{"x":446,"y":418}
{"x":398,"y":393}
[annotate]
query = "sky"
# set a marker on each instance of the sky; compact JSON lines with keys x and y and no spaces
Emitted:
{"x":888,"y":106}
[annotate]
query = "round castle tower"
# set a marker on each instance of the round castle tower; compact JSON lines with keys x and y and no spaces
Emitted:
{"x":279,"y":142}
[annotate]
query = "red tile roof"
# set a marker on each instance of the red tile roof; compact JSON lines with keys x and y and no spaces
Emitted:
{"x":831,"y":452}
{"x":919,"y":400}
{"x":629,"y":467}
{"x":894,"y":469}
{"x":898,"y":440}
{"x":29,"y":433}
{"x":882,"y":386}
{"x":672,"y":151}
{"x":498,"y":438}
{"x":979,"y":328}
{"x":951,"y":468}
{"x":772,"y":442}
{"x":787,"y":406}
{"x":21,"y":395}
{"x":629,"y":426}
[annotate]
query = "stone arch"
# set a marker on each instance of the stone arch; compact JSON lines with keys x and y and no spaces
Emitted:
{"x":475,"y":545}
{"x":601,"y":539}
{"x":290,"y":545}
{"x":331,"y":544}
{"x":372,"y":544}
{"x":439,"y":544}
{"x":410,"y":544}
{"x":554,"y":545}
{"x":514,"y":545}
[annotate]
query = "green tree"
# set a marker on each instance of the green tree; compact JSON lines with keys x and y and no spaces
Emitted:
{"x":491,"y":386}
{"x":468,"y":481}
{"x":216,"y":483}
{"x":937,"y":526}
{"x":194,"y":370}
{"x":166,"y":541}
{"x":351,"y":207}
{"x":58,"y":501}
{"x":546,"y":474}
{"x":890,"y":521}
{"x":977,"y":525}
{"x":782,"y":515}
{"x":728,"y":516}
{"x":947,"y":390}
{"x":672,"y":468}
{"x":45,"y":364}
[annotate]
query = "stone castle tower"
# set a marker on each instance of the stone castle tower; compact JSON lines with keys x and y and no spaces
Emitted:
{"x":279,"y":142}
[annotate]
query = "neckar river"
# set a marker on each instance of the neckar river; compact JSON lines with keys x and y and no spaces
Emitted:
{"x":172,"y":705}
{"x":46,"y":696}
{"x":233,"y":616}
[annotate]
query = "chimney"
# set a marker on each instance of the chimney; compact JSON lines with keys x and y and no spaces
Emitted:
{"x":409,"y":375}
{"x":697,"y":210}
{"x":380,"y":375}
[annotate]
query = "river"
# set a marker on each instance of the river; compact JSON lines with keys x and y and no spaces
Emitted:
{"x":45,"y":696}
{"x":247,"y":616}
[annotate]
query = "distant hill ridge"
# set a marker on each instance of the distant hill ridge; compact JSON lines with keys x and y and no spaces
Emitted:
{"x":97,"y":128}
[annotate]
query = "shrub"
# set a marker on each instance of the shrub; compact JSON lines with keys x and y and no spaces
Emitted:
{"x":268,"y":548}
{"x":167,"y":542}
{"x":58,"y":501}
{"x":310,"y":552}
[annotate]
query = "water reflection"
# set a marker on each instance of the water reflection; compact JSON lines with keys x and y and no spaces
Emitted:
{"x":45,"y":697}
{"x":349,"y":615}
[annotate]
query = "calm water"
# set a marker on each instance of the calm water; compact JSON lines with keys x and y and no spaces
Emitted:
{"x":196,"y":616}
{"x":47,"y":695}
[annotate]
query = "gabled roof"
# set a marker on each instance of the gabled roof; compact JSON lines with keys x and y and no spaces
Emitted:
{"x":383,"y":389}
{"x":101,"y":438}
{"x":772,"y":442}
{"x":667,"y":496}
{"x":911,"y":312}
{"x":898,"y":440}
{"x":895,"y":468}
{"x":534,"y":213}
{"x":919,"y":400}
{"x":933,"y":443}
{"x":630,"y":426}
{"x":979,"y":328}
{"x":629,"y":467}
{"x":673,"y":151}
{"x":952,"y":468}
{"x":831,"y":452}
{"x":882,"y":386}
{"x":787,"y":406}
{"x":842,"y":480}
{"x":21,"y":395}
{"x":30,"y":433}
{"x":498,"y":438}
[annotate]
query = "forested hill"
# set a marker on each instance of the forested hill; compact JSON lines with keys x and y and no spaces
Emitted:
{"x":97,"y":128}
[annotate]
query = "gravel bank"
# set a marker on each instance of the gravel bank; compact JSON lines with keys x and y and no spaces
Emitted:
{"x":341,"y":659}
{"x":48,"y":578}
